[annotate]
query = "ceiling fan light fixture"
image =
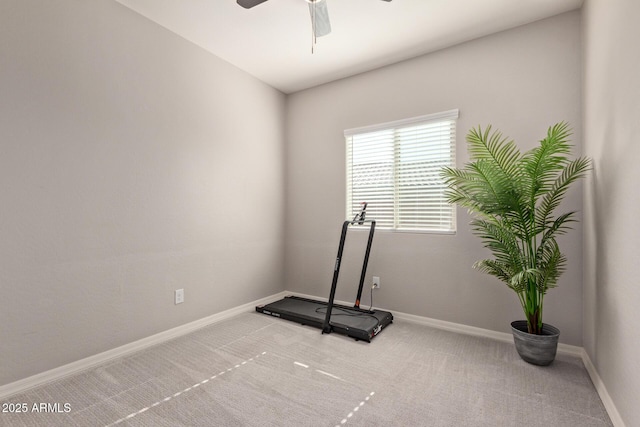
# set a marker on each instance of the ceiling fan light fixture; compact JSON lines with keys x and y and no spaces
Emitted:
{"x":319,"y":17}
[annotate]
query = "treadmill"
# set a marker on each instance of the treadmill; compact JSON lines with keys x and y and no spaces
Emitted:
{"x":354,"y":322}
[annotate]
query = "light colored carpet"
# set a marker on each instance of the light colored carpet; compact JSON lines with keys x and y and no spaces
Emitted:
{"x":255,"y":370}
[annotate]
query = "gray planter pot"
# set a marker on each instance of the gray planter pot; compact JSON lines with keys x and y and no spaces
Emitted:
{"x":535,"y":349}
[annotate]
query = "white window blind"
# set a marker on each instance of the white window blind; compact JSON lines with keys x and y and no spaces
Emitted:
{"x":396,"y":166}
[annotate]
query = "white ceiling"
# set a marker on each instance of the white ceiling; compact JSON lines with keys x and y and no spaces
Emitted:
{"x":272,"y":41}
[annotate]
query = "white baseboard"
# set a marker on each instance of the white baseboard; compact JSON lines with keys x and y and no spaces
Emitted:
{"x":616,"y":419}
{"x":83,"y":364}
{"x":567,"y":349}
{"x":571,"y":350}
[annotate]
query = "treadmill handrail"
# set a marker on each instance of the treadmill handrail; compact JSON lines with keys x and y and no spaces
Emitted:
{"x":326,"y":327}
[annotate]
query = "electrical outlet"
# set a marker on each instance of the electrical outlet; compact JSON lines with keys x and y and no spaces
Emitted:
{"x":179,"y":296}
{"x":376,"y":282}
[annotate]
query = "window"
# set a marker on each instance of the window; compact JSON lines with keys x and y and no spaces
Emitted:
{"x":395,"y":167}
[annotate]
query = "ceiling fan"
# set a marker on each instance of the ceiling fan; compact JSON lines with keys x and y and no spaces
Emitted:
{"x":321,"y":25}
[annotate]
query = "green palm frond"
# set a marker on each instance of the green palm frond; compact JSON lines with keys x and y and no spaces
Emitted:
{"x":502,"y":242}
{"x":554,"y":228}
{"x":552,"y":264}
{"x":521,"y":280}
{"x":496,"y":268}
{"x":543,"y":163}
{"x":471,"y":183}
{"x":551,"y":199}
{"x":504,"y":196}
{"x":494,"y":148}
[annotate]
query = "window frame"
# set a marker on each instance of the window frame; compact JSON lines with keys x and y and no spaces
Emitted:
{"x":394,"y":127}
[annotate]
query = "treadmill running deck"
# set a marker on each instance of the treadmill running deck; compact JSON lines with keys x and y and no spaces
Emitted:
{"x":351,"y":321}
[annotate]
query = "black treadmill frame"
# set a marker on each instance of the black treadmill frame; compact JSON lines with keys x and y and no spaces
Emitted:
{"x":384,"y":317}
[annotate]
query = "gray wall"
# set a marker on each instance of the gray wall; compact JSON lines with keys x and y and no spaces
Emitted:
{"x":521,"y":81}
{"x":124,"y":153}
{"x":612,"y":201}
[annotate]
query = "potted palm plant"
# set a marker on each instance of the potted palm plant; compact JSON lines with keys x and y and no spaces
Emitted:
{"x":513,"y":197}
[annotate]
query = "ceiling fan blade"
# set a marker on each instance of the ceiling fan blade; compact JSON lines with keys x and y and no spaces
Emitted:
{"x":320,"y":18}
{"x":248,"y":4}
